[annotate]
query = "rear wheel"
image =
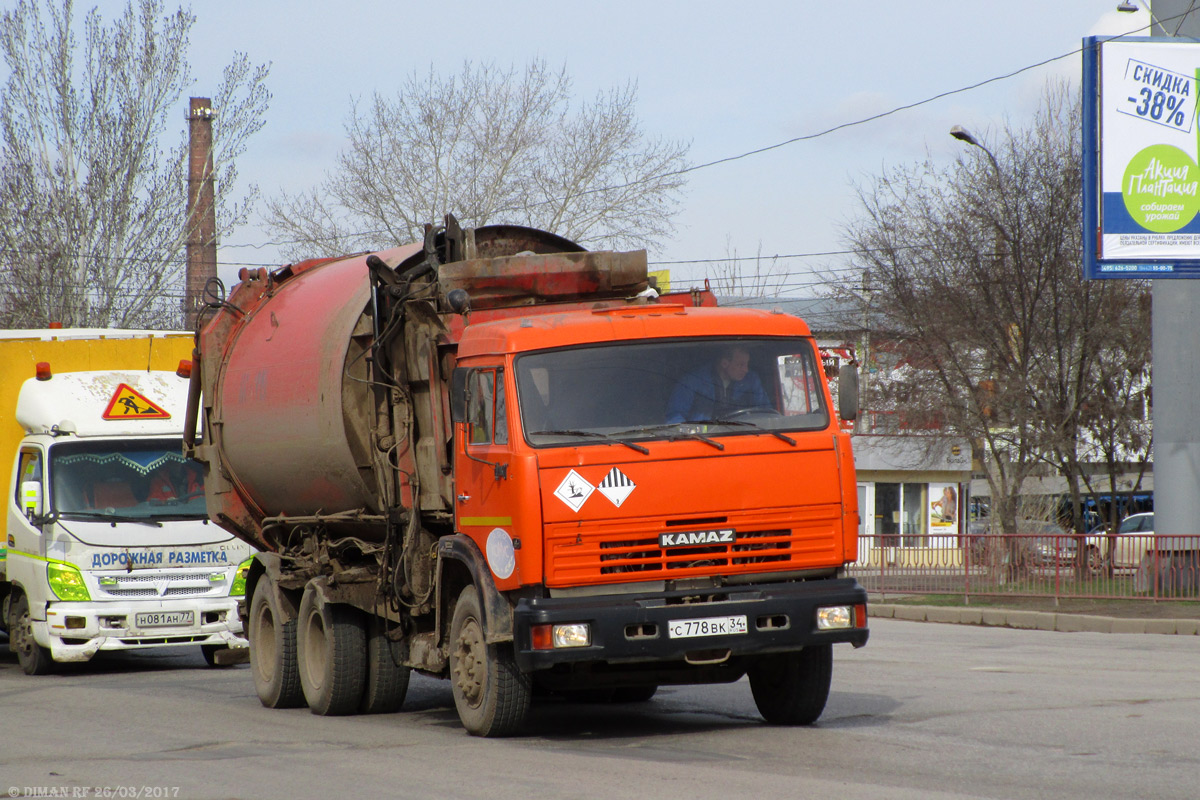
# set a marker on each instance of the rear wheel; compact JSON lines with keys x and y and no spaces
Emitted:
{"x":491,"y":694}
{"x":273,"y":650}
{"x":331,"y":644}
{"x":33,"y":658}
{"x":387,"y":679}
{"x":791,"y":688}
{"x":1095,"y":561}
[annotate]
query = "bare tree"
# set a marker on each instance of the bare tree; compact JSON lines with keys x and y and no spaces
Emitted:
{"x":490,"y":146}
{"x":997,"y":335}
{"x":93,"y":220}
{"x":757,"y":277}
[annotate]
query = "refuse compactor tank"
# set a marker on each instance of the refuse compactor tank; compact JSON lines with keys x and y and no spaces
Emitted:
{"x":291,"y":397}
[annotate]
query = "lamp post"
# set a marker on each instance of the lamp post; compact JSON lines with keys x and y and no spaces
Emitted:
{"x":964,"y":135}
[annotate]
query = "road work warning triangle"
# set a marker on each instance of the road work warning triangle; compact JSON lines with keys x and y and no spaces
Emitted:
{"x":127,"y":402}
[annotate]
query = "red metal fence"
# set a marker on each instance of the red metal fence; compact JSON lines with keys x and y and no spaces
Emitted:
{"x":1153,"y":567}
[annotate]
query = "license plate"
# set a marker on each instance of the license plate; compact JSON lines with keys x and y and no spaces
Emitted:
{"x":156,"y":619}
{"x":708,"y":626}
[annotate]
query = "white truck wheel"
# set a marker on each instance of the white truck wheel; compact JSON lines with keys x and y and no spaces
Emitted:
{"x":33,"y":658}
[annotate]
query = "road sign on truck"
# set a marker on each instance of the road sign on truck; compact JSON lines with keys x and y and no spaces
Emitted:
{"x":498,"y":458}
{"x":108,"y":545}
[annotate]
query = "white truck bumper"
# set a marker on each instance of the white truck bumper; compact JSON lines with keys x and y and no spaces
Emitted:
{"x":77,"y":631}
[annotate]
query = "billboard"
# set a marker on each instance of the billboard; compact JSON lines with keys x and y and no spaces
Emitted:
{"x":1141,"y":146}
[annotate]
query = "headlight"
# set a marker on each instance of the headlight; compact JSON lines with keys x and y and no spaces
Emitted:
{"x":550,"y":637}
{"x":834,"y":617}
{"x":238,"y":589}
{"x":66,"y":581}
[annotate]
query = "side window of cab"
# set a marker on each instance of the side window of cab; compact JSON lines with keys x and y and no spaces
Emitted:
{"x":487,"y":416}
{"x":29,"y":468}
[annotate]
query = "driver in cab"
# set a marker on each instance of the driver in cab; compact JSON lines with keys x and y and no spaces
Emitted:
{"x":718,"y":389}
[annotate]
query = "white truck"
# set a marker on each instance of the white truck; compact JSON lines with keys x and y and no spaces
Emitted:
{"x":108,"y":546}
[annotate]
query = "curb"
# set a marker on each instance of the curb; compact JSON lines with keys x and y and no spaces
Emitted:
{"x":1033,"y":620}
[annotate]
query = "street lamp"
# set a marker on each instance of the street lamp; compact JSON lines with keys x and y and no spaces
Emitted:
{"x":964,"y":135}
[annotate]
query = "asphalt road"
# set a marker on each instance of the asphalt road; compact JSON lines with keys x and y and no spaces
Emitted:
{"x":924,"y":711}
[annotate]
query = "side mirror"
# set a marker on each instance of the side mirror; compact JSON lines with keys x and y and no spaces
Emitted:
{"x":458,"y":395}
{"x":848,"y":392}
{"x":31,"y":498}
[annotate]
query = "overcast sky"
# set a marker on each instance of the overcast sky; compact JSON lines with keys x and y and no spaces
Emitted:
{"x":728,"y":78}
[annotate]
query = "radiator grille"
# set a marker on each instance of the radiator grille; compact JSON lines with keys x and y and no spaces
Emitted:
{"x":140,"y":584}
{"x":593,"y":555}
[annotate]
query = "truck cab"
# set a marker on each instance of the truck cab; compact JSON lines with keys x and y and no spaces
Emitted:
{"x":673,"y":482}
{"x":108,"y":543}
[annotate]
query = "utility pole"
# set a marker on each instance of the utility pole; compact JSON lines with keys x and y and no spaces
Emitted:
{"x":201,"y":209}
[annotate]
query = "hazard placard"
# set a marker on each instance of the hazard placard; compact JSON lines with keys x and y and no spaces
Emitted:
{"x":128,"y":402}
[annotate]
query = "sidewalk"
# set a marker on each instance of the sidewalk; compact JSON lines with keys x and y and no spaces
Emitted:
{"x":1033,"y":620}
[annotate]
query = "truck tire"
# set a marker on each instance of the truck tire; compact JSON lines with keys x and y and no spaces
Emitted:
{"x":491,"y":694}
{"x":331,"y":645}
{"x":33,"y":658}
{"x":791,"y":688}
{"x":273,"y":650}
{"x":387,"y":679}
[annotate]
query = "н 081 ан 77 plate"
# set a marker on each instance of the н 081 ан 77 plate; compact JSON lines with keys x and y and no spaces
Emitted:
{"x":706,"y":626}
{"x":155,"y":619}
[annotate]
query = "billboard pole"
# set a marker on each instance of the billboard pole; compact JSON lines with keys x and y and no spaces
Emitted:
{"x":1175,"y":344}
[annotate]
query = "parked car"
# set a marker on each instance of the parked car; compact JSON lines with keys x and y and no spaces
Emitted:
{"x":1134,"y":537}
{"x":1050,"y":545}
{"x":1037,"y":543}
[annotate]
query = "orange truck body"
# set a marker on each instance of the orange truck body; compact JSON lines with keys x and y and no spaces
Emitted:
{"x":380,"y":427}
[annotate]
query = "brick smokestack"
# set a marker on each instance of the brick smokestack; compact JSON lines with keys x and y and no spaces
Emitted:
{"x":201,"y":209}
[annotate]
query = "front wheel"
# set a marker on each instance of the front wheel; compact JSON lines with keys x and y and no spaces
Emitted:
{"x":491,"y":694}
{"x":791,"y":688}
{"x":210,"y":652}
{"x":33,"y":658}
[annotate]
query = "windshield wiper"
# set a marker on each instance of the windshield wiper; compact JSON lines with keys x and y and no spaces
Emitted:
{"x":689,"y":434}
{"x":754,"y":425}
{"x":675,"y":437}
{"x":110,"y":518}
{"x":179,"y":517}
{"x":594,"y":435}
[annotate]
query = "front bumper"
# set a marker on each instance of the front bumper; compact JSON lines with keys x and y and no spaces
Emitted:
{"x":112,"y":626}
{"x":781,"y":617}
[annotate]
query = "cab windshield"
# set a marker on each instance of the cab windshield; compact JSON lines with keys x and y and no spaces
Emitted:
{"x":630,"y":391}
{"x":109,"y":480}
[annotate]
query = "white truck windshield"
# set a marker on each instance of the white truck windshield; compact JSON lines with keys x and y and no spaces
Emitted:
{"x":120,"y":480}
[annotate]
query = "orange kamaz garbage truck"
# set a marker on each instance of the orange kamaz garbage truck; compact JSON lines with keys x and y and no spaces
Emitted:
{"x":497,"y":458}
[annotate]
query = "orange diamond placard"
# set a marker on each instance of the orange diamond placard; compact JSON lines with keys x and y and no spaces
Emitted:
{"x":128,"y":402}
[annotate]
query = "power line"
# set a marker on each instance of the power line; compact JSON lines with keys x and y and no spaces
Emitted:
{"x":760,"y":150}
{"x":683,"y":171}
